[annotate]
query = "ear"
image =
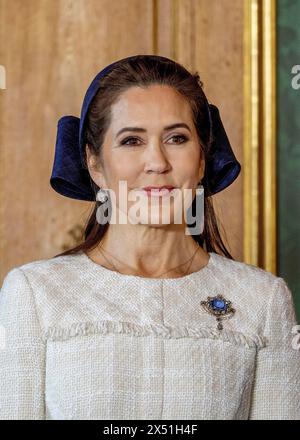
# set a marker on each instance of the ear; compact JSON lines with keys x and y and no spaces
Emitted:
{"x":94,"y":167}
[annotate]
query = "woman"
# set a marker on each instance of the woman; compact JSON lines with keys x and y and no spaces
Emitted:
{"x":143,"y":320}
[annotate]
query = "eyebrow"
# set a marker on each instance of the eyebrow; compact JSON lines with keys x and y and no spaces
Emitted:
{"x":143,"y":130}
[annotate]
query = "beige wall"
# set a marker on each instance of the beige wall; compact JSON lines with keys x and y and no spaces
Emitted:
{"x":51,"y":51}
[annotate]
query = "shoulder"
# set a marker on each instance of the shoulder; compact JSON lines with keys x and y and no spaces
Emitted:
{"x":43,"y":272}
{"x":243,"y":274}
{"x":52,"y":264}
{"x":47,"y":286}
{"x":260,"y":289}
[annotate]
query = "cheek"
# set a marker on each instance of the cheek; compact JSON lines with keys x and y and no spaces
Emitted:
{"x":189,"y":156}
{"x":123,"y":170}
{"x":187,"y":169}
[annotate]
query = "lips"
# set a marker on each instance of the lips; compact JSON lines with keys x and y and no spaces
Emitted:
{"x":158,"y":191}
{"x":158,"y":188}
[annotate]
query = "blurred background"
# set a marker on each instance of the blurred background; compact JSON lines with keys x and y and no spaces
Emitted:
{"x":248,"y":57}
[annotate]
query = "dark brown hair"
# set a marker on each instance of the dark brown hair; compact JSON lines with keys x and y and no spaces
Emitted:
{"x":143,"y":71}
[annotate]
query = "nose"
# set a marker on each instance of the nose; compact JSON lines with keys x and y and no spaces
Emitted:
{"x":155,"y":158}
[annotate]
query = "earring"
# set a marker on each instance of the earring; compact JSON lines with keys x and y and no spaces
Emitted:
{"x":201,"y":187}
{"x":102,"y":195}
{"x":102,"y":210}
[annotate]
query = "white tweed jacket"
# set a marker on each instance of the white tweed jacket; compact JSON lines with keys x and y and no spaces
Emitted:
{"x":79,"y":341}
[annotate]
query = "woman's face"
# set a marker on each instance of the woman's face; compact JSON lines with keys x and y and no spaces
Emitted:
{"x":141,"y":149}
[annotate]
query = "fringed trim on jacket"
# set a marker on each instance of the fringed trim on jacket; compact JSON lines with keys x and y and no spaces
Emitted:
{"x":103,"y":327}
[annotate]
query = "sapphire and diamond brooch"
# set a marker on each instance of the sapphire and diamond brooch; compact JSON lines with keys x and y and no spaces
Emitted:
{"x":220,"y":307}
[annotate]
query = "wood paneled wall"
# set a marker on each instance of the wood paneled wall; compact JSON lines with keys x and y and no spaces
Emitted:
{"x":51,"y":50}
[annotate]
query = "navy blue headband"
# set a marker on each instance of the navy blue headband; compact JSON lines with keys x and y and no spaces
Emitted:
{"x":71,"y":178}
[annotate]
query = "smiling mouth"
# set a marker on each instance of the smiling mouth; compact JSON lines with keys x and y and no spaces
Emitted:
{"x":157,"y":192}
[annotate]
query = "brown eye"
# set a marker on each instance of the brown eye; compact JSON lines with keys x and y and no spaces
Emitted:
{"x":180,"y":136}
{"x":134,"y":139}
{"x":124,"y":141}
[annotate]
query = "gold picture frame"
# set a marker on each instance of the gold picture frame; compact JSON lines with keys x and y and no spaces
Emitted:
{"x":259,"y":148}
